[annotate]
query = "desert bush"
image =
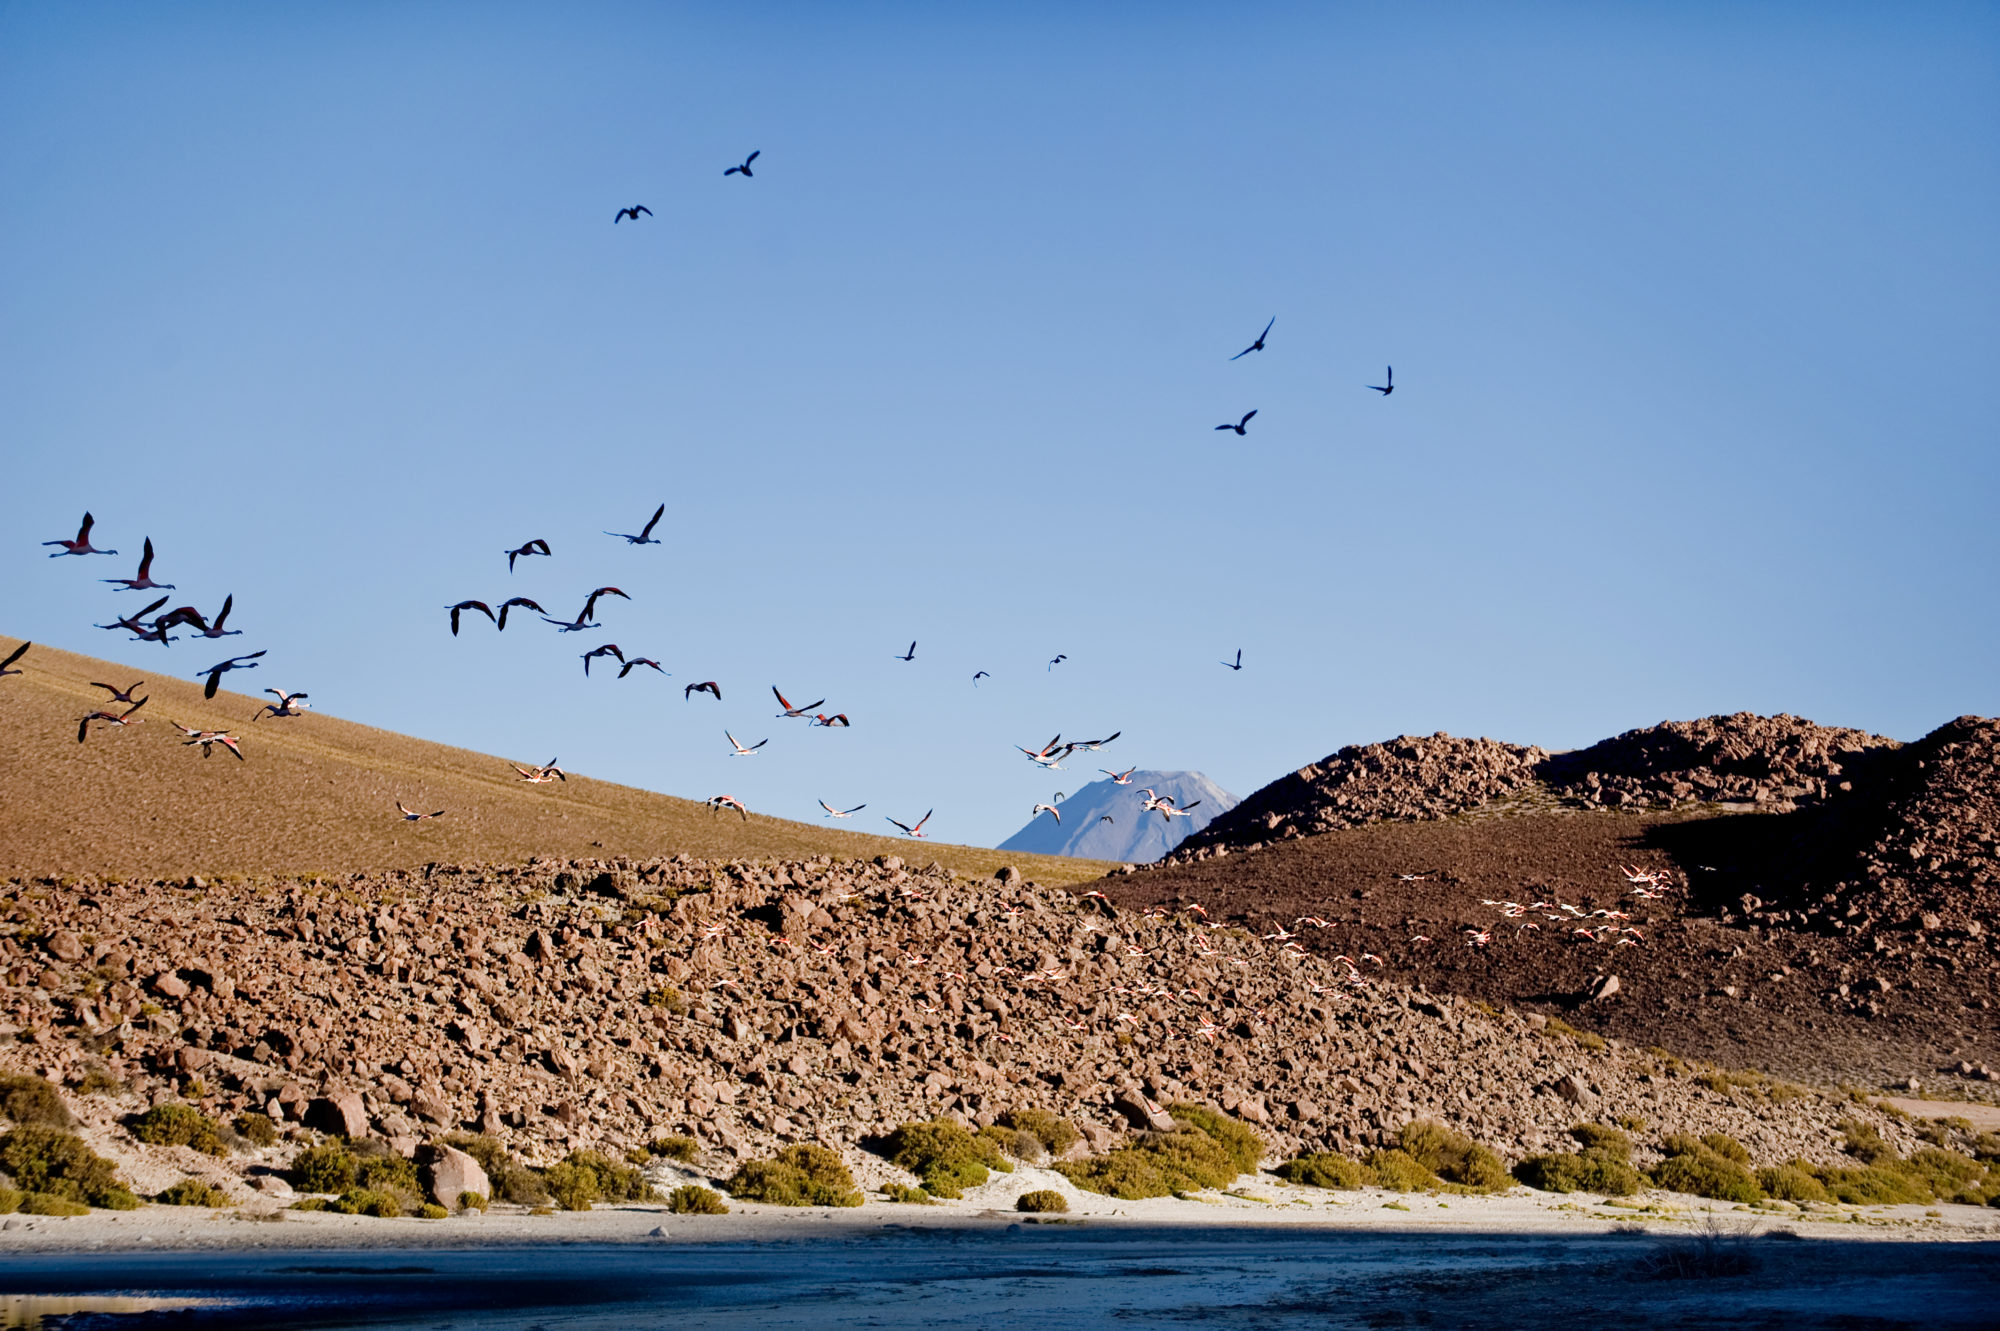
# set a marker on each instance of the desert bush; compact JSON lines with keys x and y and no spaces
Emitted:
{"x":512,"y":1181}
{"x":1588,"y":1039}
{"x":473,"y":1201}
{"x":193,"y":1192}
{"x":1793,"y":1181}
{"x":1056,"y":1134}
{"x":179,"y":1125}
{"x":1041,"y":1200}
{"x":693,"y":1199}
{"x":1727,"y":1147}
{"x":1871,"y":1185}
{"x":99,"y":1081}
{"x":1016,"y":1143}
{"x":803,"y":1175}
{"x":355,"y":1201}
{"x":614,"y":1182}
{"x":1865,"y":1144}
{"x":1695,"y":1167}
{"x":906,"y":1195}
{"x":389,"y":1173}
{"x":47,"y":1203}
{"x":1208,"y":1151}
{"x":668,"y":999}
{"x":10,"y":1199}
{"x":432,"y":1211}
{"x":1947,"y":1174}
{"x":1712,"y":1250}
{"x":1454,"y":1157}
{"x":944,"y":1155}
{"x":325,"y":1167}
{"x":43,"y":1159}
{"x":1325,"y":1170}
{"x":257,"y":1129}
{"x":682,"y":1149}
{"x":1602,"y":1166}
{"x":26,"y":1100}
{"x":1399,"y":1171}
{"x":573,"y":1186}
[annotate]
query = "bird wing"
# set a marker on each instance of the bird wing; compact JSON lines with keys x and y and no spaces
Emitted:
{"x":155,"y":606}
{"x":904,"y":826}
{"x":856,"y":809}
{"x":137,"y":705}
{"x":732,"y":740}
{"x":647,"y":530}
{"x":753,"y":157}
{"x":1246,"y":419}
{"x":642,"y":208}
{"x":780,"y":697}
{"x":83,"y":532}
{"x":759,"y":744}
{"x":145,"y":561}
{"x":214,"y":683}
{"x":926,"y":818}
{"x":1195,"y":805}
{"x":83,"y":727}
{"x":21,"y":651}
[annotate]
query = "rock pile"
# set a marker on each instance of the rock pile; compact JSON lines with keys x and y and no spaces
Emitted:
{"x":1776,"y":762}
{"x":562,"y":1005}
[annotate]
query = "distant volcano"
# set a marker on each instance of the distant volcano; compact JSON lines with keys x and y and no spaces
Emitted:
{"x":1133,"y":836}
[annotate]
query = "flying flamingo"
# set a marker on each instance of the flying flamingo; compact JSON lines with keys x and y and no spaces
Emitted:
{"x":144,"y":581}
{"x":744,"y":170}
{"x":708,"y":686}
{"x":838,"y":719}
{"x":742,"y":752}
{"x":841,"y":813}
{"x":717,"y":803}
{"x":81,"y":545}
{"x":608,"y":649}
{"x":636,"y":662}
{"x":645,"y":536}
{"x":480,"y":606}
{"x":22,"y":650}
{"x":911,"y":655}
{"x":288,"y":704}
{"x":1258,"y":345}
{"x":1123,"y":778}
{"x":632,"y":212}
{"x":1390,"y":387}
{"x":410,"y":816}
{"x":1237,"y":664}
{"x":791,"y":710}
{"x":521,"y":601}
{"x":583,"y":620}
{"x":124,"y":718}
{"x":117,"y":695}
{"x":208,"y":739}
{"x":132,"y":624}
{"x":1046,"y":756}
{"x":918,"y":830}
{"x":216,"y":672}
{"x":1041,"y":809}
{"x":1239,"y":427}
{"x":538,"y":546}
{"x":190,"y":616}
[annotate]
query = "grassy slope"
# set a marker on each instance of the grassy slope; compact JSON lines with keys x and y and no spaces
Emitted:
{"x":318,"y":794}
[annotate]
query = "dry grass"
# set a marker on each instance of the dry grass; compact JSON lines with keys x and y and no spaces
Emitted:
{"x":317,"y":795}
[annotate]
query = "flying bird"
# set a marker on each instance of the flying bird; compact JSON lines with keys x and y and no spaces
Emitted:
{"x":742,"y":752}
{"x":1388,"y":388}
{"x":133,"y":623}
{"x":1060,"y":658}
{"x":144,"y":581}
{"x":538,"y":775}
{"x":208,"y":739}
{"x":583,"y":620}
{"x":1237,"y":664}
{"x":841,"y":813}
{"x":918,"y":830}
{"x":410,"y":816}
{"x":645,"y":536}
{"x":791,"y":710}
{"x":1123,"y":778}
{"x":22,"y":650}
{"x":190,"y":616}
{"x":633,"y":213}
{"x":123,"y":718}
{"x":717,"y":803}
{"x":837,"y":720}
{"x":608,"y":649}
{"x":81,"y":545}
{"x":978,"y":675}
{"x":480,"y":606}
{"x":910,"y":655}
{"x":1239,"y":426}
{"x":744,"y":170}
{"x":1107,"y":818}
{"x":1041,"y":809}
{"x":1258,"y":345}
{"x":538,"y":546}
{"x":521,"y":601}
{"x":708,"y":686}
{"x":1093,"y":745}
{"x":216,"y":672}
{"x":288,"y":704}
{"x":636,"y":662}
{"x":1050,"y":755}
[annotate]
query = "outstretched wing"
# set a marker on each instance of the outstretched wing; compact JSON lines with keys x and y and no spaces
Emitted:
{"x":21,"y":651}
{"x":651,"y":522}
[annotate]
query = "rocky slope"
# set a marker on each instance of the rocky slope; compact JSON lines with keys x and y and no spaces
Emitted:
{"x":1132,"y":835}
{"x":1776,"y":762}
{"x":568,"y":1004}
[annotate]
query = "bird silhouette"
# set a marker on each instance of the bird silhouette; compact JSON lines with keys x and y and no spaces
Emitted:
{"x":1258,"y":345}
{"x":1238,"y":663}
{"x":81,"y":545}
{"x":978,"y":675}
{"x":521,"y":601}
{"x":144,"y":581}
{"x":1060,"y":658}
{"x":480,"y":606}
{"x":918,"y":829}
{"x":709,"y":686}
{"x":1388,"y":388}
{"x":638,"y":661}
{"x":17,"y":654}
{"x":538,"y":546}
{"x":608,"y":649}
{"x":216,"y":672}
{"x":645,"y":536}
{"x":744,"y":170}
{"x":632,"y":212}
{"x":1238,"y":427}
{"x":841,"y":813}
{"x":910,"y":655}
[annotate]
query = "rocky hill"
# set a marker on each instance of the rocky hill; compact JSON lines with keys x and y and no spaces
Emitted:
{"x":1107,"y":821}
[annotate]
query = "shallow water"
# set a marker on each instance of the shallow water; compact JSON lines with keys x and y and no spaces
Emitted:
{"x":1044,"y":1279}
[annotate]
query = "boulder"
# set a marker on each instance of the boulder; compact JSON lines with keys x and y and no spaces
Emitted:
{"x":1132,"y":1103}
{"x":453,"y":1174}
{"x":338,"y":1112}
{"x":65,"y":946}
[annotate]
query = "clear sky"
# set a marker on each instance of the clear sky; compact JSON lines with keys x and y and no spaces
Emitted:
{"x":1692,"y":310}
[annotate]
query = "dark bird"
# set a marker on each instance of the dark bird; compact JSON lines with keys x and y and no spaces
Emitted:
{"x":520,"y":601}
{"x":133,"y":623}
{"x":410,"y":816}
{"x":632,"y":212}
{"x":117,"y":695}
{"x":1238,"y":663}
{"x":21,"y":651}
{"x":480,"y":606}
{"x":638,"y":661}
{"x":1238,"y":427}
{"x":837,"y":719}
{"x":1060,"y":658}
{"x":538,"y":546}
{"x":744,"y":169}
{"x":1388,"y":388}
{"x":910,"y":655}
{"x":978,"y":675}
{"x":81,"y":545}
{"x":583,"y":620}
{"x":1258,"y":345}
{"x":190,"y":616}
{"x":608,"y":649}
{"x":918,"y":830}
{"x":791,"y":710}
{"x":123,"y":718}
{"x":1107,"y":818}
{"x":216,"y":672}
{"x":645,"y":536}
{"x":288,"y":704}
{"x":709,"y":686}
{"x":144,"y":581}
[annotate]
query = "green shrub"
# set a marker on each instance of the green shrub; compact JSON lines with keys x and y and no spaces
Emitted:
{"x":1695,"y":1167}
{"x":803,"y":1175}
{"x":1013,"y":1141}
{"x":40,"y":1158}
{"x":179,"y":1125}
{"x":1872,"y":1185}
{"x":10,"y":1199}
{"x":1208,"y":1151}
{"x":1325,"y":1170}
{"x":432,"y":1211}
{"x":473,"y":1201}
{"x":1399,"y":1171}
{"x":1865,"y":1144}
{"x":693,"y":1199}
{"x":906,"y":1195}
{"x":573,"y":1186}
{"x":946,"y":1156}
{"x":615,"y":1182}
{"x":193,"y":1192}
{"x":47,"y":1203}
{"x":682,"y":1149}
{"x":668,"y":999}
{"x":1793,"y":1181}
{"x":326,"y":1167}
{"x":257,"y":1129}
{"x":1946,"y":1173}
{"x":387,"y":1173}
{"x":1041,"y":1200}
{"x":1727,"y":1147}
{"x":26,"y":1099}
{"x":1056,"y":1134}
{"x":1603,"y":1166}
{"x":355,"y":1201}
{"x":1454,"y":1157}
{"x":1596,"y":1139}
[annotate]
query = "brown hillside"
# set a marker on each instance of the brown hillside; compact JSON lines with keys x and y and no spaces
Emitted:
{"x":317,"y":794}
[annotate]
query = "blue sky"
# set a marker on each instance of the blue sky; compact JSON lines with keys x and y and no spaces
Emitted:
{"x":1692,"y":308}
